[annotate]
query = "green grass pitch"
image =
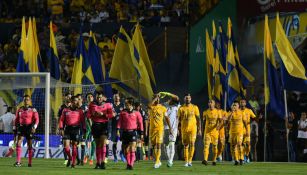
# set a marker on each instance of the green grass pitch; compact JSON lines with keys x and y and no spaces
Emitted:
{"x":55,"y":166}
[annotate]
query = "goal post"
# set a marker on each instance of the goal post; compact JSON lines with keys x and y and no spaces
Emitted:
{"x":46,"y":75}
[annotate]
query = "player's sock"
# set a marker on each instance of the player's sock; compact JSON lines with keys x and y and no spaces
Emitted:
{"x":191,"y":153}
{"x":74,"y":154}
{"x":241,"y":152}
{"x":138,"y":153}
{"x":172,"y":151}
{"x":206,"y":151}
{"x":236,"y":153}
{"x":128,"y":158}
{"x":18,"y":152}
{"x":132,"y":158}
{"x":146,"y":151}
{"x":114,"y":148}
{"x":103,"y":152}
{"x":82,"y":152}
{"x":67,"y":152}
{"x":167,"y":151}
{"x":30,"y":154}
{"x":93,"y":150}
{"x":98,"y":155}
{"x":158,"y":155}
{"x":186,"y":154}
{"x":64,"y":153}
{"x":214,"y":152}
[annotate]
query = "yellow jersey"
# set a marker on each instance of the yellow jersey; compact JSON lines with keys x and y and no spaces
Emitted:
{"x":211,"y":117}
{"x":236,"y":122}
{"x":248,"y":114}
{"x":156,"y":115}
{"x":188,"y":115}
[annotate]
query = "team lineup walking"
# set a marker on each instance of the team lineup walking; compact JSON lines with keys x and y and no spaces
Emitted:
{"x":143,"y":133}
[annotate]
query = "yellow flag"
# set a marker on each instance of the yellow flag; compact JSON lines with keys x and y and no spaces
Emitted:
{"x":288,"y":56}
{"x":129,"y":69}
{"x":209,"y":63}
{"x":139,"y":43}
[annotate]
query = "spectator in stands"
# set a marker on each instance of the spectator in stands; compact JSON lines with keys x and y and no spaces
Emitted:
{"x":165,"y":19}
{"x":56,"y":7}
{"x":302,"y":136}
{"x":292,"y":125}
{"x":7,"y":120}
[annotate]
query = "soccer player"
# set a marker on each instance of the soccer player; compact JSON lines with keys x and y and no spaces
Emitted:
{"x":222,"y":136}
{"x":82,"y":135}
{"x":71,"y":122}
{"x":130,"y":122}
{"x":157,"y":115}
{"x":213,"y":120}
{"x":26,"y":122}
{"x":100,"y":112}
{"x":172,"y":107}
{"x":118,"y":107}
{"x":139,"y":146}
{"x":66,"y":104}
{"x":237,"y":124}
{"x":189,"y":120}
{"x":90,"y":143}
{"x":248,"y":114}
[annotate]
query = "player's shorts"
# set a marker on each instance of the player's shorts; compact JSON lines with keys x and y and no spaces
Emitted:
{"x":235,"y":138}
{"x":156,"y":136}
{"x":188,"y":136}
{"x":25,"y":131}
{"x":99,"y":129}
{"x":168,"y":137}
{"x":211,"y":137}
{"x":129,"y":136}
{"x":72,"y":133}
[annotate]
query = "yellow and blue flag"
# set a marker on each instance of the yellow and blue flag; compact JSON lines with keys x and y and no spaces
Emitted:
{"x":209,"y":64}
{"x":82,"y":71}
{"x":139,"y":44}
{"x":219,"y":71}
{"x":272,"y":86}
{"x":287,"y":54}
{"x":233,"y":80}
{"x":128,"y":70}
{"x":54,"y":64}
{"x":22,"y":65}
{"x":29,"y":61}
{"x":97,"y":63}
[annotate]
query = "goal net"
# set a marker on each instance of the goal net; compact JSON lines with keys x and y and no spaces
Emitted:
{"x":14,"y":86}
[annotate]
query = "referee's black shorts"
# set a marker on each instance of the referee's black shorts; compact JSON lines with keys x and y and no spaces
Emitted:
{"x":99,"y":129}
{"x":129,"y":136}
{"x":25,"y":131}
{"x":72,"y":133}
